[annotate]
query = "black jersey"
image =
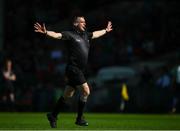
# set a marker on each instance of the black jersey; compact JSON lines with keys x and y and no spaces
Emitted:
{"x":78,"y":47}
{"x":8,"y":84}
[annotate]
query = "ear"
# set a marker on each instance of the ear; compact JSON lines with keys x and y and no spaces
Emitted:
{"x":75,"y":24}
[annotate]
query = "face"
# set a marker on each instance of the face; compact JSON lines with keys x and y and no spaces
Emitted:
{"x":80,"y":23}
{"x":9,"y":64}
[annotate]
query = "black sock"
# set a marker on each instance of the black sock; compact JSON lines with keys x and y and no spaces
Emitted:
{"x":81,"y":106}
{"x":60,"y":103}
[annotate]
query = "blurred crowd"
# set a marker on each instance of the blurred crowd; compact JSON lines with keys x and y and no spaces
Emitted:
{"x":143,"y":31}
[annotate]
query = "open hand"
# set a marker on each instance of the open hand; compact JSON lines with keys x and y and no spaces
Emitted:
{"x":40,"y":28}
{"x":109,"y":26}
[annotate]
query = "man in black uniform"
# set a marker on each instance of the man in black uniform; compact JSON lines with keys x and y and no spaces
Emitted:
{"x":78,"y":49}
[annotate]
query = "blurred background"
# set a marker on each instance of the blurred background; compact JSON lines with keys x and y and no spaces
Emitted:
{"x":132,"y":69}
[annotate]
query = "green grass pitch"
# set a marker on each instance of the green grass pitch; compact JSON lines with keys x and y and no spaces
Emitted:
{"x":97,"y":121}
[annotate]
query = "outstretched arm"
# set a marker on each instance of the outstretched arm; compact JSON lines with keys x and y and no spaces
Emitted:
{"x":42,"y":29}
{"x":99,"y":33}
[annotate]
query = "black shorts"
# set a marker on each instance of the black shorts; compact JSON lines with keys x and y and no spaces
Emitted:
{"x":176,"y":91}
{"x":8,"y":87}
{"x":75,"y":76}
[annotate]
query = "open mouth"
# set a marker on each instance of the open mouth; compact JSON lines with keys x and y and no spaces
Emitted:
{"x":84,"y":28}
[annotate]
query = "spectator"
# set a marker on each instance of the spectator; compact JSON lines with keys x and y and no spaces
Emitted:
{"x":8,"y":77}
{"x":176,"y":90}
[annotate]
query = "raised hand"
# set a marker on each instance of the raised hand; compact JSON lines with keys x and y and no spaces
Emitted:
{"x":109,"y":26}
{"x":40,"y":28}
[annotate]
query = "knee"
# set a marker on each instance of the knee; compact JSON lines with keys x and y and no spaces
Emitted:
{"x":84,"y":96}
{"x":86,"y":92}
{"x":68,"y":96}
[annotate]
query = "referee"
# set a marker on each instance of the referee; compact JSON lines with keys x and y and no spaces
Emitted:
{"x":78,"y":48}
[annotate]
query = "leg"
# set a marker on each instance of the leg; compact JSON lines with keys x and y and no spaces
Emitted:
{"x":12,"y":98}
{"x":84,"y":93}
{"x":52,"y":117}
{"x":5,"y":102}
{"x":68,"y":93}
{"x":174,"y":104}
{"x":12,"y":101}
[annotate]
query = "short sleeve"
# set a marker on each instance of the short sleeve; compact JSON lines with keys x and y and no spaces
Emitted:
{"x":90,"y":34}
{"x":65,"y":35}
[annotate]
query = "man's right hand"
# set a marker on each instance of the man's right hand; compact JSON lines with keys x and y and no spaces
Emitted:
{"x":40,"y":28}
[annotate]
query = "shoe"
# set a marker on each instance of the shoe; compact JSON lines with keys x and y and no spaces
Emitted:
{"x":52,"y":120}
{"x":173,"y":110}
{"x":81,"y":122}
